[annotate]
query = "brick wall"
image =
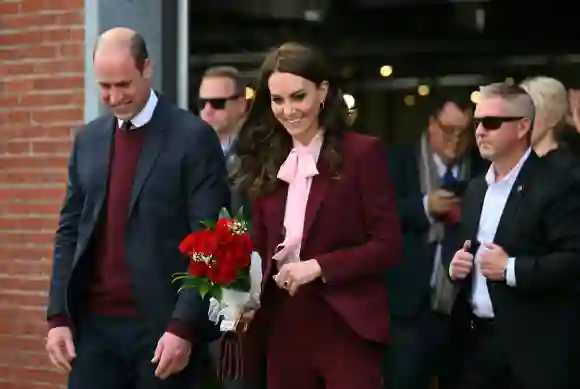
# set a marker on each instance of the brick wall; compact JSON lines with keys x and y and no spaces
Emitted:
{"x":41,"y":101}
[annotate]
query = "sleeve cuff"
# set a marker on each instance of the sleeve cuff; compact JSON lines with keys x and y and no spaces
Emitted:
{"x":426,"y":208}
{"x":182,"y":329}
{"x":510,"y":274}
{"x":59,"y":320}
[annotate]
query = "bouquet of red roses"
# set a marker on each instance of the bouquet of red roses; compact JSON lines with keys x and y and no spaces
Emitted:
{"x":219,"y":265}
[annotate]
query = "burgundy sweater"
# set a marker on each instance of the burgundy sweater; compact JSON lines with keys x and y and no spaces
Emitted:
{"x":110,"y":290}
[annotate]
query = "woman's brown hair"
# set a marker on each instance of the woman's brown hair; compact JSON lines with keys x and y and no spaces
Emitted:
{"x":263,"y":144}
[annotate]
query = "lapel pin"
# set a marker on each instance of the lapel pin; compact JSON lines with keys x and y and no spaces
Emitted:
{"x":520,"y":188}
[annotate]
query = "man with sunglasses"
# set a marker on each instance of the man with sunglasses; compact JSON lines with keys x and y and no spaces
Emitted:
{"x":429,"y":178}
{"x":520,"y":261}
{"x":222,"y":103}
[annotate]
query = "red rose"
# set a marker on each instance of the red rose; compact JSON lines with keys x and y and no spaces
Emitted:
{"x":198,"y":268}
{"x":222,"y":273}
{"x":242,"y":249}
{"x":223,"y":230}
{"x":228,"y":256}
{"x":206,"y":242}
{"x":188,"y":244}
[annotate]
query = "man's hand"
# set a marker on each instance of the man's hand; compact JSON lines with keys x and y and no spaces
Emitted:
{"x":293,"y":275}
{"x":60,"y":348}
{"x":171,"y":355}
{"x":462,"y":263}
{"x":493,"y":262}
{"x":440,"y":202}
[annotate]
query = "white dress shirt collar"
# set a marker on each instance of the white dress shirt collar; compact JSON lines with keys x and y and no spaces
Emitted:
{"x":510,"y":178}
{"x":145,"y":115}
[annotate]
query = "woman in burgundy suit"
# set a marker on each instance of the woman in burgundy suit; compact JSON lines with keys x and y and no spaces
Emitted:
{"x":325,"y":224}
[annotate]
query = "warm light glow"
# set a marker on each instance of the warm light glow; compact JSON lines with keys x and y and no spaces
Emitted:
{"x":409,"y":100}
{"x":475,"y":96}
{"x":349,"y":100}
{"x":423,"y":90}
{"x":386,"y":70}
{"x":250,"y":93}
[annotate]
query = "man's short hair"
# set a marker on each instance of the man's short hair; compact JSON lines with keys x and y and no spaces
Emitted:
{"x":137,"y":49}
{"x":519,"y":101}
{"x":438,"y":100}
{"x":228,"y":72}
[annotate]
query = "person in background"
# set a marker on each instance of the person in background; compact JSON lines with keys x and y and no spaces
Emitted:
{"x":140,"y":179}
{"x":222,"y":103}
{"x":520,"y":258}
{"x":325,"y":224}
{"x":554,"y":139}
{"x":573,"y":118}
{"x":552,"y":136}
{"x":429,"y":177}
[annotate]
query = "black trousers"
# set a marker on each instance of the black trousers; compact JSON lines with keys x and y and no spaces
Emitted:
{"x":486,"y":365}
{"x":422,"y":347}
{"x":116,"y":353}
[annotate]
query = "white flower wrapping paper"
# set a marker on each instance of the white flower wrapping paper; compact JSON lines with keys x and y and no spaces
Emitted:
{"x":233,"y":302}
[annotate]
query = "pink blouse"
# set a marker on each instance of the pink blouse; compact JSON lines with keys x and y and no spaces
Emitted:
{"x":298,"y":171}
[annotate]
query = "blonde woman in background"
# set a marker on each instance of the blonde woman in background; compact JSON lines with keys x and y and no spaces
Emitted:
{"x":552,"y":137}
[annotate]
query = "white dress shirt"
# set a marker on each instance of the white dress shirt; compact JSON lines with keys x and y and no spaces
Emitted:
{"x":493,"y":205}
{"x":145,"y":115}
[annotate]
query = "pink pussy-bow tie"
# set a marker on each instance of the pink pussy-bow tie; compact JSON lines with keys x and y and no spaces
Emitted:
{"x":299,"y":166}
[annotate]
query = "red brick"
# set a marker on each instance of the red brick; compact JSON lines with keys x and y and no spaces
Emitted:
{"x":16,"y":147}
{"x":7,"y":8}
{"x":20,"y":299}
{"x":57,"y":83}
{"x":27,"y":237}
{"x":37,"y":209}
{"x":26,"y":193}
{"x":25,"y":20}
{"x":56,"y":146}
{"x":38,"y":131}
{"x":41,"y":95}
{"x":71,"y":49}
{"x":60,"y":66}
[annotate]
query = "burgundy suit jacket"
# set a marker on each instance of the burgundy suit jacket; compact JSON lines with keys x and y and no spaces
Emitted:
{"x":351,"y":227}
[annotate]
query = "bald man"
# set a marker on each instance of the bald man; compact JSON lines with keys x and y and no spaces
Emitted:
{"x":140,"y":178}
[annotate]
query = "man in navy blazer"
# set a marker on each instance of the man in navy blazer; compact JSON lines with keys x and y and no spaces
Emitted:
{"x":139,"y":180}
{"x":429,"y":177}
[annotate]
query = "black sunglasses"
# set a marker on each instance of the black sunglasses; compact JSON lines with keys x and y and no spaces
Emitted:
{"x":216,"y":102}
{"x":494,"y":122}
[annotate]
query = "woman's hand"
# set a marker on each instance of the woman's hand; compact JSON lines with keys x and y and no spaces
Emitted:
{"x":245,"y":320}
{"x":293,"y":275}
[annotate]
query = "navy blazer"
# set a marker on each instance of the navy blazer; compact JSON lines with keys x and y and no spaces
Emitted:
{"x":180,"y":181}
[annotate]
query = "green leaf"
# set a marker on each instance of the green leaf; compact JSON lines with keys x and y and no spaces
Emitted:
{"x":242,"y":282}
{"x":240,"y":214}
{"x":224,"y":214}
{"x":209,"y":224}
{"x":186,"y":286}
{"x":183,"y":277}
{"x":204,"y":289}
{"x":216,"y":293}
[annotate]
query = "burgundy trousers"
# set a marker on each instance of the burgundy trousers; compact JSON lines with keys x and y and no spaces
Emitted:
{"x":309,"y":346}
